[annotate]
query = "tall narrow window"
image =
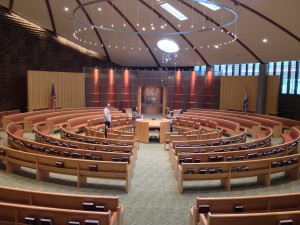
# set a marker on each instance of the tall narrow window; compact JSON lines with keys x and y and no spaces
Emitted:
{"x":292,"y":71}
{"x":243,"y":69}
{"x":236,"y":70}
{"x":229,"y":70}
{"x":223,"y":70}
{"x":217,"y":70}
{"x":298,"y":77}
{"x":256,"y":69}
{"x":271,"y":68}
{"x":284,"y":86}
{"x":250,"y":69}
{"x":278,"y":68}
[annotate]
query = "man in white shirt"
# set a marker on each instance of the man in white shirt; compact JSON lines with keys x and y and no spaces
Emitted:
{"x":107,"y":118}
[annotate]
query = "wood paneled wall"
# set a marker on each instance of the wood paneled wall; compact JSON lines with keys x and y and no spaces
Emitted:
{"x":232,"y":92}
{"x":272,"y":95}
{"x":69,"y":88}
{"x":24,"y":47}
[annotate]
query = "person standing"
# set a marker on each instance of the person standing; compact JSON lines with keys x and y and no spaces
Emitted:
{"x":107,"y":118}
{"x":135,"y":115}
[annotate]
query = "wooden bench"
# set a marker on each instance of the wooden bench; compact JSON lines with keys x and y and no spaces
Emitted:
{"x":81,"y":168}
{"x":30,"y":121}
{"x":65,"y":201}
{"x":53,"y":123}
{"x":252,"y":154}
{"x":20,"y":214}
{"x":244,"y":204}
{"x":225,"y":171}
{"x":268,"y":218}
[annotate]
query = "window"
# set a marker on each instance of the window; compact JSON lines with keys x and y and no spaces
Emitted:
{"x":216,"y":70}
{"x":292,"y":80}
{"x":223,"y":70}
{"x":229,"y":70}
{"x":250,"y":69}
{"x":236,"y":70}
{"x":256,"y":69}
{"x":284,"y":75}
{"x":173,"y":11}
{"x":243,"y":69}
{"x":271,"y":68}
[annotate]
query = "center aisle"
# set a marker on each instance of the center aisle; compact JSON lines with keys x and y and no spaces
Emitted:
{"x":153,"y":198}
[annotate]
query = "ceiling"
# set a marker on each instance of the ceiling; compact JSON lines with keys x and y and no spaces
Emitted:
{"x":276,"y":21}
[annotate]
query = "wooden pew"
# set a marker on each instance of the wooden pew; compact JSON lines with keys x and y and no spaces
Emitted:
{"x":30,"y":121}
{"x":16,"y":214}
{"x":244,"y":204}
{"x":64,"y":201}
{"x":268,"y":218}
{"x":225,"y":171}
{"x":81,"y":168}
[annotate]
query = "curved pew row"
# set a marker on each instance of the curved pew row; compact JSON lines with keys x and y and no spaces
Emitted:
{"x":26,"y":214}
{"x":226,"y":146}
{"x":81,"y":168}
{"x":269,"y":218}
{"x":288,"y":148}
{"x":61,"y":146}
{"x":78,"y":120}
{"x":208,"y":122}
{"x":225,"y":171}
{"x":249,"y":205}
{"x":77,"y":203}
{"x":72,"y":140}
{"x":30,"y":121}
{"x":276,"y":123}
{"x":286,"y":123}
{"x":253,"y":127}
{"x":65,"y":151}
{"x":18,"y":118}
{"x":238,"y":138}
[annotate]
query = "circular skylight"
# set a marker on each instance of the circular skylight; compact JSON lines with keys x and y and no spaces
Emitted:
{"x":168,"y":46}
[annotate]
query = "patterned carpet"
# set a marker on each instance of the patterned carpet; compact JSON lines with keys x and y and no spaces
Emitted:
{"x":153,"y":198}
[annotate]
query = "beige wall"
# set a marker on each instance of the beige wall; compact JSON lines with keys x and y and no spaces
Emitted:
{"x":69,"y":88}
{"x":232,"y":92}
{"x":272,"y":95}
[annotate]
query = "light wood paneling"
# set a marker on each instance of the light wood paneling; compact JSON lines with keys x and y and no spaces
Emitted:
{"x":69,"y":88}
{"x":232,"y":92}
{"x":272,"y":95}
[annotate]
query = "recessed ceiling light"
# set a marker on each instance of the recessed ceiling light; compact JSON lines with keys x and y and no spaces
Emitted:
{"x":265,"y":40}
{"x":66,"y":9}
{"x":167,"y":46}
{"x":99,"y":9}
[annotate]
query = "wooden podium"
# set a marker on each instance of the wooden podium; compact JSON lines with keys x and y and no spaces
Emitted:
{"x":143,"y":127}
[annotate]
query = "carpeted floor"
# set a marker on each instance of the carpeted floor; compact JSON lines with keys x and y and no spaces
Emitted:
{"x":153,"y":198}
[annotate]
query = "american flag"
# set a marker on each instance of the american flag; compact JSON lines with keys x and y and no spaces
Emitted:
{"x":53,"y":97}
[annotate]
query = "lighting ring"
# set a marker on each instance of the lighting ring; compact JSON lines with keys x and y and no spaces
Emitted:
{"x":82,"y":6}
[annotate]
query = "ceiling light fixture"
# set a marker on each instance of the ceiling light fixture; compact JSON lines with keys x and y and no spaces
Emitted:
{"x":228,"y":17}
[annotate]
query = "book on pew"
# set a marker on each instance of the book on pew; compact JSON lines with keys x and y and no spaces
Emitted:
{"x":93,"y":167}
{"x":30,"y":220}
{"x":74,"y":223}
{"x":286,"y":222}
{"x":88,"y":206}
{"x":59,"y":164}
{"x":91,"y":222}
{"x":45,"y":221}
{"x":197,"y":160}
{"x":202,"y":171}
{"x":238,"y":208}
{"x":100,"y":208}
